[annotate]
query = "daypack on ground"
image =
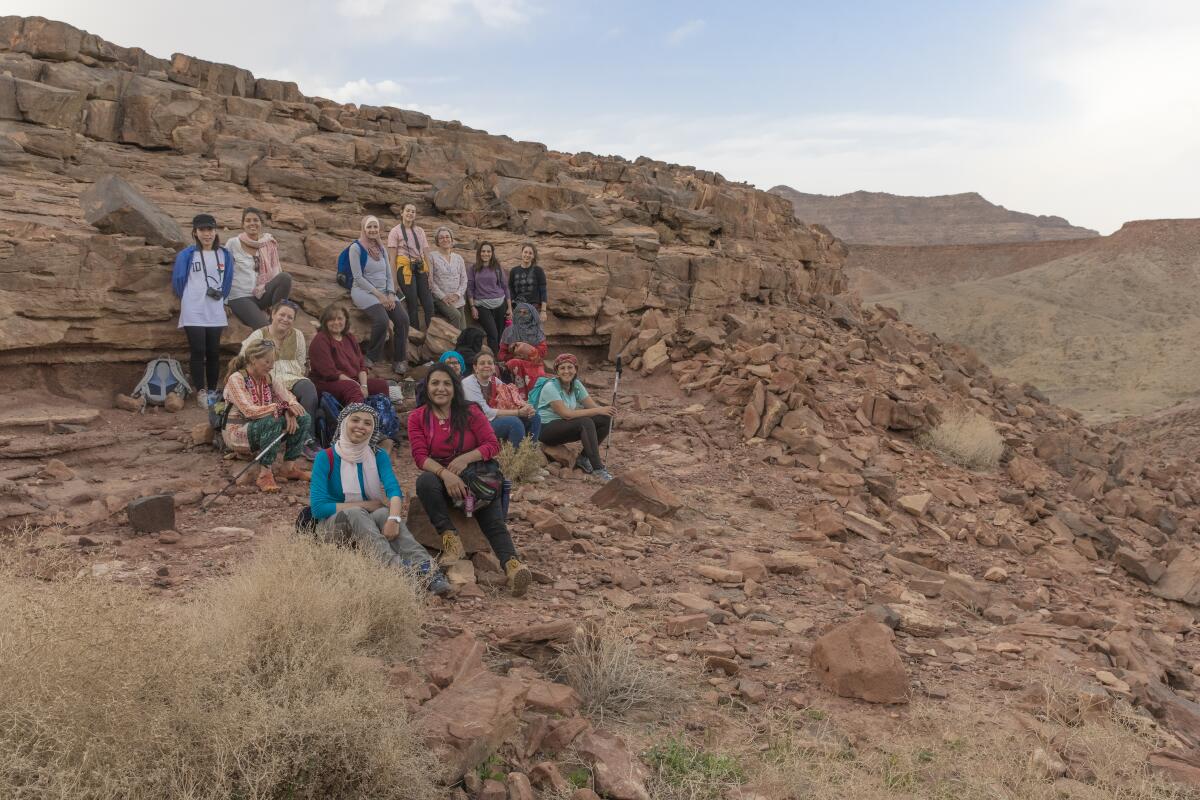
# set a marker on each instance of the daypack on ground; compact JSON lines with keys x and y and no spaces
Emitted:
{"x":389,"y":421}
{"x":345,"y":275}
{"x":163,"y":376}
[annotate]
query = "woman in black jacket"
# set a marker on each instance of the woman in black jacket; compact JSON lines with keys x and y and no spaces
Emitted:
{"x":527,"y":281}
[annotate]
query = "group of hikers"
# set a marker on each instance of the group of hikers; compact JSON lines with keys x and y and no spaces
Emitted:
{"x":273,"y":387}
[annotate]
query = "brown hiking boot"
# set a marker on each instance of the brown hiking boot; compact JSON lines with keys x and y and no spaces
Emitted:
{"x":452,"y":548}
{"x":519,"y":577}
{"x":266,"y":481}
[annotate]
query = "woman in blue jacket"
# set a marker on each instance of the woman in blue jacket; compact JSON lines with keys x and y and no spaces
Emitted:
{"x":357,"y":497}
{"x":202,"y":278}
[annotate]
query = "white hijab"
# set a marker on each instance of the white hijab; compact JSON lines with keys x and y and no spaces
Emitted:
{"x":353,"y":455}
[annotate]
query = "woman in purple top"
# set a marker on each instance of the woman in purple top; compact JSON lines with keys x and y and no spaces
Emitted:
{"x":487,"y":294}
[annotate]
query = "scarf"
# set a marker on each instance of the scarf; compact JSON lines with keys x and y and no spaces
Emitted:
{"x":286,"y":348}
{"x":526,"y":327}
{"x":462,"y":364}
{"x":374,"y":247}
{"x":260,"y":393}
{"x":266,"y":260}
{"x":354,"y":455}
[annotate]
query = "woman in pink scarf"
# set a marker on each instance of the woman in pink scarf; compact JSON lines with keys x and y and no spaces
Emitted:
{"x":259,"y":281}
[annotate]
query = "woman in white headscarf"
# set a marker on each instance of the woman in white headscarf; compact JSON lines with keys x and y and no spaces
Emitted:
{"x":354,"y":494}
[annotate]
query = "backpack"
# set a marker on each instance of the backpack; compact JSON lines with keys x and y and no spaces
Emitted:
{"x":535,"y":392}
{"x":306,"y":523}
{"x":345,"y":275}
{"x":325,"y":423}
{"x":163,"y":375}
{"x":389,"y":422}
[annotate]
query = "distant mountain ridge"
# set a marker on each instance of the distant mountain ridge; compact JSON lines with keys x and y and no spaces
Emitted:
{"x":888,"y":219}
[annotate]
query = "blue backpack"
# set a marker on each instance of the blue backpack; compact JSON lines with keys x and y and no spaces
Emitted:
{"x":389,"y":422}
{"x":536,"y":392}
{"x":345,"y":275}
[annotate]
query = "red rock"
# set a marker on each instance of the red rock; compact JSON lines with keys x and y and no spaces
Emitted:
{"x":519,"y":787}
{"x":682,"y":625}
{"x":455,"y":659}
{"x":858,"y":659}
{"x":467,"y":721}
{"x":546,"y":775}
{"x":553,"y":698}
{"x":636,"y":489}
{"x":748,"y":565}
{"x":617,"y":774}
{"x":563,"y":734}
{"x":492,"y":790}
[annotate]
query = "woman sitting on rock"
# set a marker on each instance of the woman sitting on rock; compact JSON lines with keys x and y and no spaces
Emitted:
{"x":263,"y":409}
{"x":570,"y":415}
{"x":407,"y":241}
{"x":356,"y":496}
{"x":527,"y":281}
{"x":448,"y":278}
{"x":374,"y":292}
{"x":202,"y":278}
{"x":336,"y":364}
{"x":511,"y":417}
{"x":487,"y":293}
{"x":523,"y":348}
{"x":259,"y":281}
{"x":446,"y":435}
{"x":291,"y":354}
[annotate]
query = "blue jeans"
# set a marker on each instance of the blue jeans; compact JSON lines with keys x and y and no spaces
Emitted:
{"x":514,"y":429}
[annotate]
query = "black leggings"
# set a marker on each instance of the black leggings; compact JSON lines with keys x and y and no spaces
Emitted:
{"x":204,"y":345}
{"x":436,"y":501}
{"x":589,"y":430}
{"x":417,"y":296}
{"x":252,"y":310}
{"x":492,"y":322}
{"x":306,"y":395}
{"x":379,"y":331}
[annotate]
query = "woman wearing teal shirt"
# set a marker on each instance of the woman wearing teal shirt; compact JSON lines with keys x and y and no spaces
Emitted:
{"x":354,"y":495}
{"x":568,"y":414}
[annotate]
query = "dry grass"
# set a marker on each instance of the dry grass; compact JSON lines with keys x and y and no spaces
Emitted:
{"x":967,"y":439}
{"x":960,"y":754}
{"x":256,"y":690}
{"x":521,"y":464}
{"x":604,"y":667}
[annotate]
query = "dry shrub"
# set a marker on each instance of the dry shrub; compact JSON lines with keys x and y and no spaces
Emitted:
{"x":967,"y":439}
{"x":521,"y":464}
{"x":604,"y":667}
{"x":257,"y":690}
{"x":944,"y":754}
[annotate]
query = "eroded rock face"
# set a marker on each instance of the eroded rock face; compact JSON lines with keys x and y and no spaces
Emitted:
{"x":190,"y":135}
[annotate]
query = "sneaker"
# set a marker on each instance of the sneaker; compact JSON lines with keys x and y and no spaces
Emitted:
{"x":452,"y":548}
{"x":519,"y":577}
{"x":604,"y":475}
{"x":203,"y":400}
{"x":438,"y":585}
{"x":583,"y":464}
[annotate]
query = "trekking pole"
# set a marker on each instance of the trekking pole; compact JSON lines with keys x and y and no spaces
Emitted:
{"x":613,"y":427}
{"x":208,"y":501}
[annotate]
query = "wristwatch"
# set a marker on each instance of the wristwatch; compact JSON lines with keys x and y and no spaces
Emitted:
{"x":395,"y":518}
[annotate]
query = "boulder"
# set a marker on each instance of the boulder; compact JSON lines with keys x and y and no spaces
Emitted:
{"x":618,"y":775}
{"x":859,"y":659}
{"x":152,"y":514}
{"x":113,"y":206}
{"x":1181,"y":581}
{"x":636,"y":489}
{"x":468,"y":529}
{"x":469,"y":720}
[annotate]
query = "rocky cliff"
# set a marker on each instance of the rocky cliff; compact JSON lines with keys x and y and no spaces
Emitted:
{"x":881,"y":218}
{"x":615,"y":236}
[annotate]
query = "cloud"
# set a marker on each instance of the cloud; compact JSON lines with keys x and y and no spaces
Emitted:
{"x":685,"y":31}
{"x":415,"y":15}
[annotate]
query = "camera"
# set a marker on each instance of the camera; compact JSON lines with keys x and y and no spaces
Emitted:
{"x":215,"y":294}
{"x":416,"y":265}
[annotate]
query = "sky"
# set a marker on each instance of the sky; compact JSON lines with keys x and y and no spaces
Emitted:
{"x":1086,"y":109}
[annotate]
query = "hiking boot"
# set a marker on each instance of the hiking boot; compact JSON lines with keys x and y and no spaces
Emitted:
{"x":291,"y":472}
{"x":438,"y":585}
{"x":583,"y":464}
{"x":266,"y":481}
{"x":452,"y":548}
{"x":604,"y":475}
{"x":519,"y":577}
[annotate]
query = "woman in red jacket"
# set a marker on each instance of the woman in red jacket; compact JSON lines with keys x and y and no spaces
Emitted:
{"x":446,"y":435}
{"x":335,"y":361}
{"x":523,"y":348}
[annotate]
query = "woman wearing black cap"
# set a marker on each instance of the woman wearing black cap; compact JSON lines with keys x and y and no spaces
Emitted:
{"x":202,"y":278}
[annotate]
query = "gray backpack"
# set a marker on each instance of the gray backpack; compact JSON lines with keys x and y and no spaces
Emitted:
{"x":163,"y":376}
